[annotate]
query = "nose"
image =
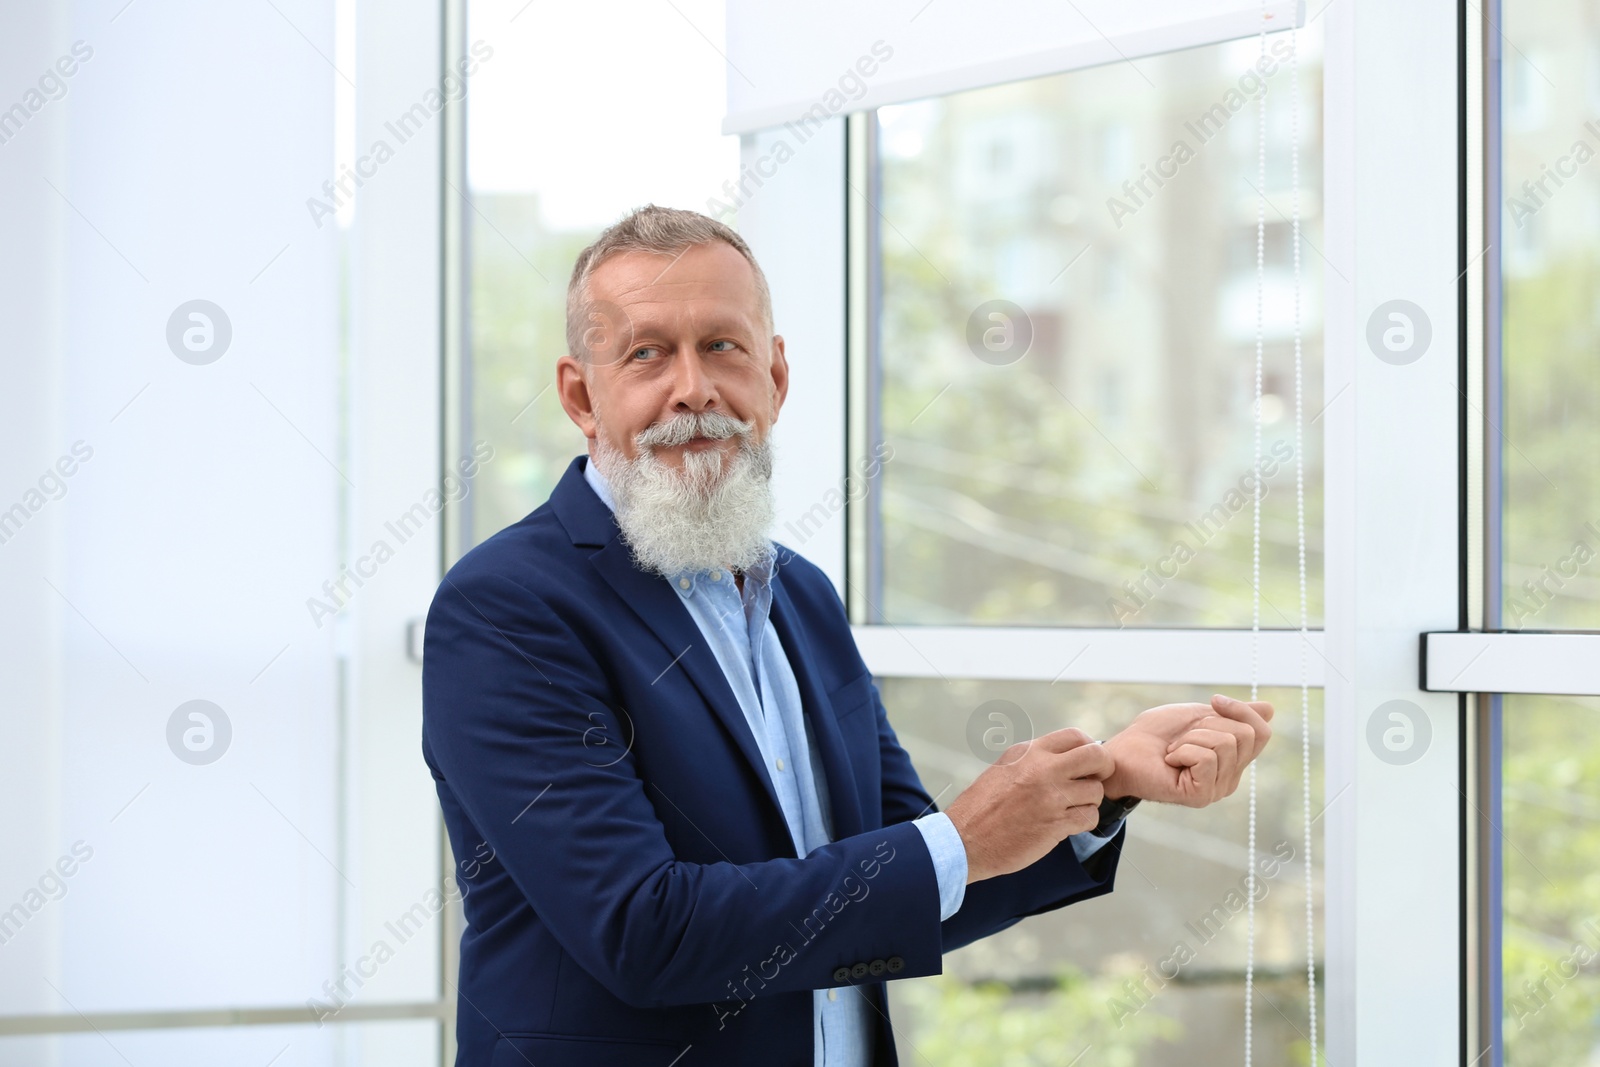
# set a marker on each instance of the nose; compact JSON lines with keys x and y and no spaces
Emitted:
{"x":691,"y":387}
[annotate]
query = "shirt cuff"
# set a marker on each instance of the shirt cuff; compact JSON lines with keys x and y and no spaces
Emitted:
{"x":949,"y":860}
{"x":1088,"y":843}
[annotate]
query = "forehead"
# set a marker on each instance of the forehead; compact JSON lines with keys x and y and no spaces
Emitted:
{"x":704,"y":280}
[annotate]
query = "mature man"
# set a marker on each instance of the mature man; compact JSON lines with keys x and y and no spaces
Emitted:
{"x":689,"y":833}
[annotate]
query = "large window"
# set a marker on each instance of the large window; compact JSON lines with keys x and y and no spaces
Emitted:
{"x":1061,"y":343}
{"x":1065,"y":346}
{"x":218,"y":400}
{"x":1544,"y":844}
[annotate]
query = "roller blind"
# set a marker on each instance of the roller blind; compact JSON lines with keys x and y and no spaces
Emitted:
{"x":790,"y":63}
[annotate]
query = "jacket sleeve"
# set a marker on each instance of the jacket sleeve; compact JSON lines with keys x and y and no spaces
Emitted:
{"x":512,"y":702}
{"x":1055,"y":880}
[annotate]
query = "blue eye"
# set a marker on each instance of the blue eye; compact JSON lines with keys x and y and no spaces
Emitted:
{"x":722,"y":342}
{"x":645,"y":349}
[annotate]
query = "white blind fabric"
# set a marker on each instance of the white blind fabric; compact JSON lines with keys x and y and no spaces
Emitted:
{"x":793,"y":63}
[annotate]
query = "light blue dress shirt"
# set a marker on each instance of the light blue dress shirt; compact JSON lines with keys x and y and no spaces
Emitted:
{"x":739,"y":629}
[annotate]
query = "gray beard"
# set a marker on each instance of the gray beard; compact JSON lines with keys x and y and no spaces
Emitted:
{"x":702,"y":517}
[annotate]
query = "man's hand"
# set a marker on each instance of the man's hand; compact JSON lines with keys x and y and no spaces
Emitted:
{"x":1036,"y":795}
{"x":1190,"y":754}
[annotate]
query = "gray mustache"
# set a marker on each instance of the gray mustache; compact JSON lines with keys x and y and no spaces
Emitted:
{"x":684,"y":428}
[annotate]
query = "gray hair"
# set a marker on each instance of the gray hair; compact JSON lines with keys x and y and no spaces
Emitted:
{"x":666,"y":230}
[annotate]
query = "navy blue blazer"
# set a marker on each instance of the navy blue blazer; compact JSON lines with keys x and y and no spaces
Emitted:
{"x":630,"y":886}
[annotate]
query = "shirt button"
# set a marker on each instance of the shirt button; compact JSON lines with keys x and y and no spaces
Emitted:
{"x":683,"y":583}
{"x":780,"y":763}
{"x":716,"y":576}
{"x":833,"y":994}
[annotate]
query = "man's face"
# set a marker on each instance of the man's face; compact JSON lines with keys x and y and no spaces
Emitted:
{"x":672,"y":336}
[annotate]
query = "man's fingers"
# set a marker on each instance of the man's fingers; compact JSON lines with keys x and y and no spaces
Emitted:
{"x":1088,"y":761}
{"x":1251,"y":714}
{"x":1081,"y":791}
{"x":1080,"y":801}
{"x":1262,"y":708}
{"x":1056,"y":741}
{"x":1226,"y":746}
{"x":1082,"y":817}
{"x":1201,"y":762}
{"x":1193,"y":756}
{"x":1064,"y":740}
{"x":1244,"y":736}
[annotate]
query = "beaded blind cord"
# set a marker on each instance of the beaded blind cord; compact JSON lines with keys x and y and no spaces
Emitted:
{"x":1300,"y":527}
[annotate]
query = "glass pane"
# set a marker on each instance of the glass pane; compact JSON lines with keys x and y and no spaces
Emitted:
{"x":1550,"y":269}
{"x":1151,"y":973}
{"x":1087,"y":458}
{"x":546,"y":177}
{"x":197,"y":813}
{"x":1550,"y":836}
{"x":405,"y":1043}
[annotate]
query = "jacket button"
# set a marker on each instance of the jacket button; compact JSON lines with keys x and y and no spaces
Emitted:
{"x":841,"y":974}
{"x":858,"y":971}
{"x":896,"y":964}
{"x":877,"y":967}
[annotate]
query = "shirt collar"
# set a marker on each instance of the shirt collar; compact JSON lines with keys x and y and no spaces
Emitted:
{"x":598,"y":483}
{"x":757,"y":576}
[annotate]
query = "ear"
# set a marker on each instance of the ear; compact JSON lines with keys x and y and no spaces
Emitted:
{"x":574,"y":388}
{"x":780,"y":376}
